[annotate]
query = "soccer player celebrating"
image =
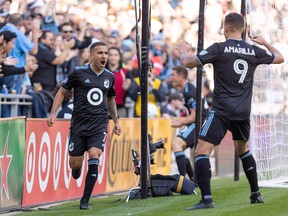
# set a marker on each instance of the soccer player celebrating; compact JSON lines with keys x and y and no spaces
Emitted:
{"x":185,"y":137}
{"x":234,"y":63}
{"x":94,"y":96}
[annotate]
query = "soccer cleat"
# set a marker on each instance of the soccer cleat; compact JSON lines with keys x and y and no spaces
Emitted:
{"x":202,"y":205}
{"x":84,"y":205}
{"x":256,"y":198}
{"x":76,"y":173}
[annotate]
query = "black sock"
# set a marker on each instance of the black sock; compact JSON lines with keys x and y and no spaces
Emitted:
{"x":91,"y":178}
{"x":249,"y":167}
{"x":189,"y":169}
{"x":203,"y":173}
{"x":181,"y":162}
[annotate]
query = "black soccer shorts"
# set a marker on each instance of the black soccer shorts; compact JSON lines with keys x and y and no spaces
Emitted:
{"x":79,"y":144}
{"x":187,"y":134}
{"x":215,"y":127}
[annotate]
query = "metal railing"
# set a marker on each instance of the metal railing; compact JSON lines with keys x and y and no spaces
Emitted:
{"x":15,"y":101}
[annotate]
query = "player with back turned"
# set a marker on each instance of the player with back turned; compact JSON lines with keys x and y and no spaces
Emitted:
{"x":234,"y":62}
{"x":94,"y":96}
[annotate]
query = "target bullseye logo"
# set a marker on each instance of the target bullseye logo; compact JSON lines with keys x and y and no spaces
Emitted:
{"x":30,"y":162}
{"x":95,"y":96}
{"x":57,"y":160}
{"x":44,"y":161}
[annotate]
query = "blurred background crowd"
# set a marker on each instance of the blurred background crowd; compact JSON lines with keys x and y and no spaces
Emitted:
{"x":53,"y":36}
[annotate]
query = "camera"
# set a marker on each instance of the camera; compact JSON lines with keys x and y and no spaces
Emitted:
{"x":136,"y":162}
{"x":153,"y":147}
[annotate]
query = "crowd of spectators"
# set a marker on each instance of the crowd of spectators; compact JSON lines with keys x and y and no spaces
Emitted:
{"x":56,"y":35}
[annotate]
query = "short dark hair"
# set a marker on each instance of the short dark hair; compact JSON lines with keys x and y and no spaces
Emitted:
{"x":181,"y":71}
{"x":98,"y":43}
{"x":8,"y":35}
{"x":44,"y":34}
{"x":234,"y":21}
{"x":15,"y":19}
{"x":175,"y":96}
{"x":64,"y":24}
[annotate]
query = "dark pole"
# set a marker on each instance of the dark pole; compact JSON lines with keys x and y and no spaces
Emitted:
{"x":199,"y":75}
{"x":236,"y":158}
{"x":144,"y":96}
{"x":243,"y":12}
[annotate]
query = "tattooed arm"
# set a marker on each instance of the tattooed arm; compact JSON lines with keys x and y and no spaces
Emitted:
{"x":112,"y":108}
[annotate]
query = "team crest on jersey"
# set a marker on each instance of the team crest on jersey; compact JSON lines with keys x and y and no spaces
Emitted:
{"x":71,"y":146}
{"x":106,"y":83}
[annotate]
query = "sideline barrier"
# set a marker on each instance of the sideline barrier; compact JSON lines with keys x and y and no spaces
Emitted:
{"x":35,"y":171}
{"x":47,"y":175}
{"x":12,"y":148}
{"x":120,"y":167}
{"x":15,"y":101}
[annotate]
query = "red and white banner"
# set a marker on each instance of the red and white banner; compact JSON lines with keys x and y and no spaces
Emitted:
{"x":47,"y":175}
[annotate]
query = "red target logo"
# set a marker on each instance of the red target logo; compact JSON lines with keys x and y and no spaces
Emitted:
{"x":30,"y":162}
{"x":44,"y":161}
{"x":57,"y":160}
{"x":66,"y":168}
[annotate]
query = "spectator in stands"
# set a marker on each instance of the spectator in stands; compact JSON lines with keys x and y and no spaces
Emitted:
{"x":27,"y":22}
{"x":116,"y":35}
{"x":97,"y":34}
{"x":47,"y":61}
{"x":84,"y":56}
{"x":112,"y":41}
{"x":5,"y":4}
{"x":3,"y":17}
{"x":167,"y":65}
{"x":66,"y":31}
{"x":129,"y":41}
{"x":174,"y":106}
{"x":234,"y":62}
{"x":22,"y":47}
{"x":90,"y":117}
{"x":7,"y":44}
{"x":156,"y":95}
{"x":115,"y":65}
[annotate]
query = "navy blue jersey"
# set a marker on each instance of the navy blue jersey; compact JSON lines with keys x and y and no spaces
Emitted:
{"x":90,"y":112}
{"x":234,"y":63}
{"x":189,"y":94}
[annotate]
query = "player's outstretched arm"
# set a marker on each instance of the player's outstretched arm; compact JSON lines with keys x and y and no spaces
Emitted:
{"x":56,"y":104}
{"x":261,"y":41}
{"x":112,"y":108}
{"x":188,"y":59}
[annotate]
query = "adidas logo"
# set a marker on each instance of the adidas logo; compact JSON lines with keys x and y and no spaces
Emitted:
{"x":250,"y":168}
{"x":87,"y":81}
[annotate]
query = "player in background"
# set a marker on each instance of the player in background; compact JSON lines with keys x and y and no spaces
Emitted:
{"x":94,"y":96}
{"x":234,"y":62}
{"x":185,"y":137}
